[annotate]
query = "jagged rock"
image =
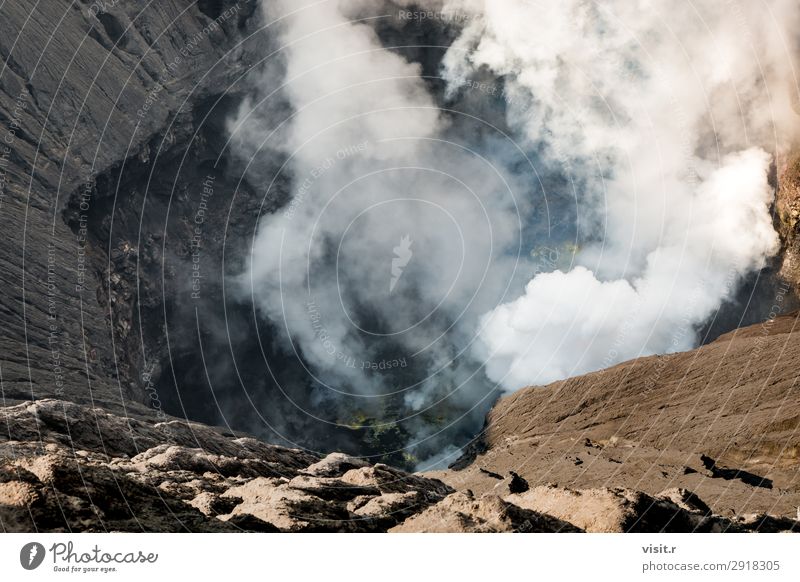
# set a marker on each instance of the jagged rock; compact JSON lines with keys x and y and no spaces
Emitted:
{"x":100,"y":431}
{"x":364,"y":499}
{"x":331,"y":489}
{"x":242,"y":484}
{"x":389,"y":505}
{"x":461,"y":513}
{"x":230,"y":483}
{"x":175,"y":458}
{"x":289,"y":509}
{"x":212,"y":505}
{"x":390,"y":480}
{"x":19,"y":495}
{"x":335,"y":465}
{"x":56,"y":493}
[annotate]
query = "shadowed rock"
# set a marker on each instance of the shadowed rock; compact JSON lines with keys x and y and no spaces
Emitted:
{"x":517,"y":484}
{"x":728,"y":474}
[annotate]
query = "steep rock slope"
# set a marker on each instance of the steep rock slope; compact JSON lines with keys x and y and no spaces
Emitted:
{"x":84,"y":88}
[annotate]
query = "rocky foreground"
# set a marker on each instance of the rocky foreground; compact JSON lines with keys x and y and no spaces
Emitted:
{"x":73,"y":468}
{"x":701,"y":441}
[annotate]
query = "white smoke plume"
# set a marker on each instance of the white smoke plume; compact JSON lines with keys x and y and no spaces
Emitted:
{"x":571,"y":323}
{"x":659,"y":120}
{"x":373,"y":169}
{"x":664,"y":107}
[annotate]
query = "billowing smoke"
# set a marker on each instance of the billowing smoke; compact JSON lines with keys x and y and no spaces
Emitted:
{"x":585,"y":182}
{"x":396,"y":239}
{"x":570,"y":323}
{"x":650,"y":106}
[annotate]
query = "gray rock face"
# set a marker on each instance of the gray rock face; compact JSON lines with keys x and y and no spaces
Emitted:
{"x":84,"y":91}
